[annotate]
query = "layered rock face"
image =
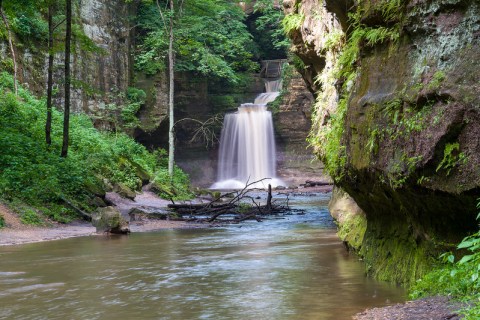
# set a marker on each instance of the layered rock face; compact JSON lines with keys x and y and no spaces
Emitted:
{"x":102,"y":70}
{"x":292,"y":123}
{"x":107,"y":24}
{"x":398,"y":107}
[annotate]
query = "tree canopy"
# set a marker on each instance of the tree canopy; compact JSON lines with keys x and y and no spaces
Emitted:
{"x":210,"y":39}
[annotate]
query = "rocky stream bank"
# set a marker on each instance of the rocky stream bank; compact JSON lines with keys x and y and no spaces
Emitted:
{"x":16,"y":233}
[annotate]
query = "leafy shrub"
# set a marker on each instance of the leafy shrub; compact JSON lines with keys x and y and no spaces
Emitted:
{"x":29,"y":216}
{"x":37,"y":175}
{"x":460,"y":279}
{"x":177,"y":189}
{"x":2,"y":222}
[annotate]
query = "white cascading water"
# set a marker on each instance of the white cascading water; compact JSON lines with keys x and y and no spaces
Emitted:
{"x":247,"y":144}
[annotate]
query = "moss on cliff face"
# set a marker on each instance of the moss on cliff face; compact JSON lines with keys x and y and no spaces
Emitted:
{"x":407,"y":119}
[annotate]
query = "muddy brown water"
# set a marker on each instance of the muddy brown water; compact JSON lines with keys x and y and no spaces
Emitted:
{"x":293,"y":267}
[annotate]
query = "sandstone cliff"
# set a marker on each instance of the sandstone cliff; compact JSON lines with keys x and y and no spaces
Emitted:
{"x":397,"y":120}
{"x":102,"y":70}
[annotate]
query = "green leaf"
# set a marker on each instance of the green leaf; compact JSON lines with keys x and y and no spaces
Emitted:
{"x":474,"y":276}
{"x":451,"y":258}
{"x":466,"y":259}
{"x":465,"y":244}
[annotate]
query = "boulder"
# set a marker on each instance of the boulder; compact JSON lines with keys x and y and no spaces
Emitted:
{"x":137,"y":214}
{"x":110,"y":220}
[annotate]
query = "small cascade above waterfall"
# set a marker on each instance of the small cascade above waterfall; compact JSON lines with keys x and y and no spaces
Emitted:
{"x":247,"y":145}
{"x":272,"y":89}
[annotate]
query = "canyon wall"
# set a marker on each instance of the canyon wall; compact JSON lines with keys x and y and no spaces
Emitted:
{"x":396,"y":122}
{"x":102,"y":67}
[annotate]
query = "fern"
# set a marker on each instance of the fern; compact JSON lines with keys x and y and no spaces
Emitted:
{"x":292,"y":22}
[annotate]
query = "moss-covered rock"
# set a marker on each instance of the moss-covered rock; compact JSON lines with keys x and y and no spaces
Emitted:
{"x":350,"y":219}
{"x":124,"y":191}
{"x":110,"y":220}
{"x":405,"y":143}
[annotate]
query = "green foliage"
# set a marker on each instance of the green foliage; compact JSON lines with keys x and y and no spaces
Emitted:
{"x":2,"y":221}
{"x":31,"y":26}
{"x":369,"y":35}
{"x":292,"y":22}
{"x":404,"y":119}
{"x":268,"y":31}
{"x":451,"y":157}
{"x":333,"y":40}
{"x":401,"y":170}
{"x":210,"y":39}
{"x":135,"y":99}
{"x":38,"y":176}
{"x":332,"y":151}
{"x":437,"y":79}
{"x":178,"y":189}
{"x":244,"y":207}
{"x":393,"y":109}
{"x":372,"y":143}
{"x":30,"y":217}
{"x":459,"y":279}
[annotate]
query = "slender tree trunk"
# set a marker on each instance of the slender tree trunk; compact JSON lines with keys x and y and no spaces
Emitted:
{"x":48,"y":124}
{"x":171,"y":61}
{"x":12,"y":49}
{"x":66,"y":116}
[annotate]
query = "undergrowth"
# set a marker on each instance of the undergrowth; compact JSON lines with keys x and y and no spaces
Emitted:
{"x":458,"y":279}
{"x":35,"y":175}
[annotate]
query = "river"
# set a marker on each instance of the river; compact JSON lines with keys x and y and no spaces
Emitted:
{"x":292,"y":267}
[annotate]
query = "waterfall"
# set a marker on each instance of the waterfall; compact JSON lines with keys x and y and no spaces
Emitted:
{"x":247,"y":144}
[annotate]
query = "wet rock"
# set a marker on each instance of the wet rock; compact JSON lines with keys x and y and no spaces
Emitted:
{"x":110,"y":220}
{"x":137,"y":214}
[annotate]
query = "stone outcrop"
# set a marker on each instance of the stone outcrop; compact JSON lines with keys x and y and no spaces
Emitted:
{"x":292,"y":123}
{"x":102,"y":70}
{"x":110,"y":220}
{"x":404,"y":118}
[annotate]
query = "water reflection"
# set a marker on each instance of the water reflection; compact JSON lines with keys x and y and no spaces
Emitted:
{"x":292,"y":268}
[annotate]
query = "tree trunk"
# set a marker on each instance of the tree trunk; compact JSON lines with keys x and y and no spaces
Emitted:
{"x":171,"y":61}
{"x":48,"y":124}
{"x":66,"y":116}
{"x":10,"y":44}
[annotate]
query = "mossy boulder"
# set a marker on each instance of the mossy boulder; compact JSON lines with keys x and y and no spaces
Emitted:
{"x":124,"y":191}
{"x":110,"y":220}
{"x":349,"y":217}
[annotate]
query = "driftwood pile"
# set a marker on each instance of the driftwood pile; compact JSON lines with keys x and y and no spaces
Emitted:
{"x":240,"y":205}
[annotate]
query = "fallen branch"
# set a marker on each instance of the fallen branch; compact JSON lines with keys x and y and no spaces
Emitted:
{"x":79,"y":211}
{"x":237,"y":206}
